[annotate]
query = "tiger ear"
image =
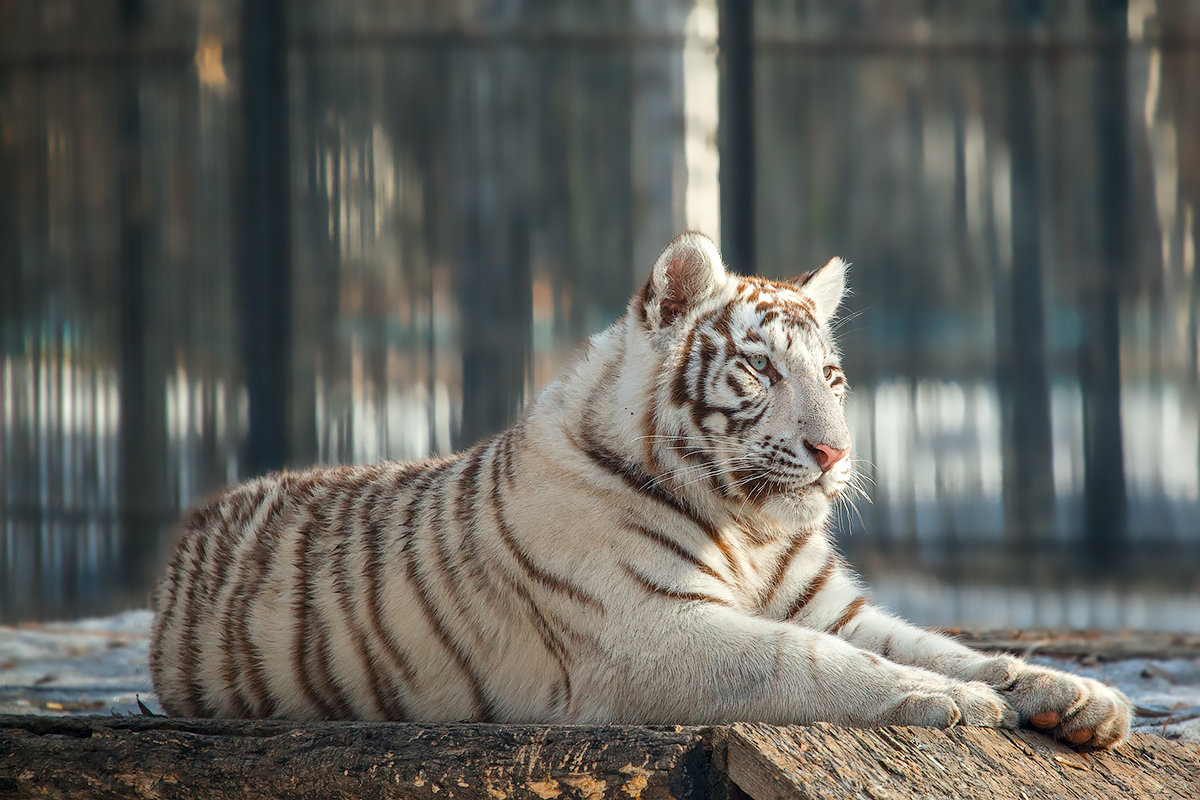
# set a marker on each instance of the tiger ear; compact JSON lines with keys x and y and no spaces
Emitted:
{"x":688,"y":271}
{"x":826,"y":287}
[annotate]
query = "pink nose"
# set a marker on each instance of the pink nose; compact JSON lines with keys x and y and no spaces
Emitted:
{"x":825,"y":455}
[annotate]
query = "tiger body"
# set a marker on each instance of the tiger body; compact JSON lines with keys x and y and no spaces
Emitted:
{"x":646,"y":544}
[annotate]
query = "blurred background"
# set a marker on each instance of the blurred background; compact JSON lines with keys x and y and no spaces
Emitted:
{"x":235,"y":236}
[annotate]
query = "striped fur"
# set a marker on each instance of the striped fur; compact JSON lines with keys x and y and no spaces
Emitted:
{"x":647,"y":543}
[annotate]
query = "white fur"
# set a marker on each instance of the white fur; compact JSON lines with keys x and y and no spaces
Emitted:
{"x":638,"y":555}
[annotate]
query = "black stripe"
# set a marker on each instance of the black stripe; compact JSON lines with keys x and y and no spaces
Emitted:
{"x":343,"y":588}
{"x":446,"y":565}
{"x":510,"y":474}
{"x":781,"y":568}
{"x":708,"y":353}
{"x":189,"y":656}
{"x":374,"y":547}
{"x":322,"y":658}
{"x":851,"y":611}
{"x":643,"y":484}
{"x":301,"y":609}
{"x":553,"y":582}
{"x":233,"y":534}
{"x":464,"y":501}
{"x":675,"y":547}
{"x":251,"y":579}
{"x":553,"y":644}
{"x":738,"y":425}
{"x":239,"y":507}
{"x":669,"y":593}
{"x":483,"y":708}
{"x":724,"y":317}
{"x":187,"y":550}
{"x":680,"y":393}
{"x":650,"y":429}
{"x":467,"y":516}
{"x":168,"y":608}
{"x":814,"y":586}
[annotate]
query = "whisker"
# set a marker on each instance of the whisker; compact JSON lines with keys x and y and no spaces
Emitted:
{"x":715,"y":437}
{"x":691,"y":469}
{"x":838,"y":323}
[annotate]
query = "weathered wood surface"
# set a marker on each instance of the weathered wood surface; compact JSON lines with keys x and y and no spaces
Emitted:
{"x":159,"y":757}
{"x":1101,"y":645}
{"x":155,"y":757}
{"x":823,"y":762}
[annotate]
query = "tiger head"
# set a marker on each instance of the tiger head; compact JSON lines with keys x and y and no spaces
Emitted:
{"x":749,"y":402}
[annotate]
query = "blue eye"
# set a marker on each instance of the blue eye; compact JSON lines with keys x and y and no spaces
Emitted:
{"x":760,"y":363}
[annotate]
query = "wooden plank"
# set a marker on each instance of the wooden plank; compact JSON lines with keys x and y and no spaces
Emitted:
{"x":159,"y":757}
{"x":823,"y":762}
{"x":1101,"y":645}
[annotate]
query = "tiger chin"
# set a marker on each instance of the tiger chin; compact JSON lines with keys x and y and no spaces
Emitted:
{"x":647,"y":543}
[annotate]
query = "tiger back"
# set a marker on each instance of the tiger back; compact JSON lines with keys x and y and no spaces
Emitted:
{"x":647,"y":543}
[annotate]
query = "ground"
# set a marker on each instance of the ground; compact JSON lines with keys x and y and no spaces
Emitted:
{"x":98,"y":666}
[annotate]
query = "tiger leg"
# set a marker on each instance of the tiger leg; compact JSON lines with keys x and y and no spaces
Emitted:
{"x":712,"y":664}
{"x":1080,"y":710}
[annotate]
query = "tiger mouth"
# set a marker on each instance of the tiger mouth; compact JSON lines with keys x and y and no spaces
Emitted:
{"x":759,"y":485}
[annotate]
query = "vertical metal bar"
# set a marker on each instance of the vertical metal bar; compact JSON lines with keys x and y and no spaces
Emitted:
{"x":1028,"y":455}
{"x":494,"y":279}
{"x":265,"y":251}
{"x":736,"y":132}
{"x":142,"y":427}
{"x":141,"y":451}
{"x":1105,"y":513}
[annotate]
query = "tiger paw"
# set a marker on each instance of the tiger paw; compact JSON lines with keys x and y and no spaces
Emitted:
{"x":983,"y":706}
{"x":1079,"y":710}
{"x":973,"y":704}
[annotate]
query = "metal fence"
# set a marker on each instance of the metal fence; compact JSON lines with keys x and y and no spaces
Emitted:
{"x":386,"y":245}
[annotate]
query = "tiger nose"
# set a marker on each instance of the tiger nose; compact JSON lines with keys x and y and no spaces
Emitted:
{"x":825,"y":455}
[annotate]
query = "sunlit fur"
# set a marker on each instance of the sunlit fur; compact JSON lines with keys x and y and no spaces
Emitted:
{"x":647,"y":543}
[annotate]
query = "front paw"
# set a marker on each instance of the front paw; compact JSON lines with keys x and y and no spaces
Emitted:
{"x":957,"y":703}
{"x":982,"y":706}
{"x":1080,"y":710}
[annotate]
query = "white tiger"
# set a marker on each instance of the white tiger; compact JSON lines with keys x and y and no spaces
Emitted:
{"x":646,"y":544}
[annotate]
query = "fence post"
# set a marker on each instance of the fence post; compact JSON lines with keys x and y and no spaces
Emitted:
{"x":1028,"y":481}
{"x":735,"y":132}
{"x":265,"y":252}
{"x":1105,"y":502}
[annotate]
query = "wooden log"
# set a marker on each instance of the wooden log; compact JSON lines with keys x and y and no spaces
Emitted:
{"x":158,"y":757}
{"x":162,"y":757}
{"x":1100,"y":645}
{"x":822,"y":762}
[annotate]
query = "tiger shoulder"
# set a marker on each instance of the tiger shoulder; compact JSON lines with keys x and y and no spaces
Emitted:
{"x":648,"y":543}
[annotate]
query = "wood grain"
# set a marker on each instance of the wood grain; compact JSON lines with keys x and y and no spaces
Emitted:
{"x":158,"y":757}
{"x":1101,"y":645}
{"x":824,"y":761}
